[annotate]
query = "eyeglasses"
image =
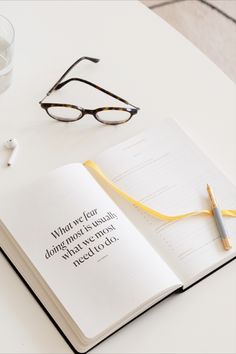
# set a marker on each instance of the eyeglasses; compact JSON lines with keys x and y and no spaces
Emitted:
{"x":71,"y":113}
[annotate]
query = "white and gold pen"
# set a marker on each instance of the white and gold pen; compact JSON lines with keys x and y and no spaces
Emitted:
{"x":219,"y":220}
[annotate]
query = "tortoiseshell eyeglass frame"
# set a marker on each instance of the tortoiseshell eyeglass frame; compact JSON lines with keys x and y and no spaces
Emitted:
{"x":82,"y":111}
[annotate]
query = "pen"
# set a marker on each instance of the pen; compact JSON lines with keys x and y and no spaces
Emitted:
{"x":219,"y":220}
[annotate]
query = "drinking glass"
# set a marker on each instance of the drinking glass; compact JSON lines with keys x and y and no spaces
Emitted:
{"x":7,"y":35}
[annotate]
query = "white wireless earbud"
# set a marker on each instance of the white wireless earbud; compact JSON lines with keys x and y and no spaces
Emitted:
{"x":12,"y":145}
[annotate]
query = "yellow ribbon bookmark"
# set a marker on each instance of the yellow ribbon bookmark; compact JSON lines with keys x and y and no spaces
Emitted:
{"x":146,"y":208}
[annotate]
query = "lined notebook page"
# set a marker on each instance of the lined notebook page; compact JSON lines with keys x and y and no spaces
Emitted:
{"x":165,"y":170}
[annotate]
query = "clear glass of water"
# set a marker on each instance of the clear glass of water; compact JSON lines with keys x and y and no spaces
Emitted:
{"x":7,"y":36}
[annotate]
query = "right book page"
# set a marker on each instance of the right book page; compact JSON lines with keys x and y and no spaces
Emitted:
{"x":165,"y":170}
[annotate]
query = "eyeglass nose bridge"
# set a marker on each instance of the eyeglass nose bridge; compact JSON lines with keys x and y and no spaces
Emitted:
{"x":86,"y":111}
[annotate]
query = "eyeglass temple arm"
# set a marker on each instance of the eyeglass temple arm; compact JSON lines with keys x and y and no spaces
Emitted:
{"x":58,"y":86}
{"x":94,"y":60}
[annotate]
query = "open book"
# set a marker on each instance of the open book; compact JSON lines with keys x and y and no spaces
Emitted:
{"x":93,"y":260}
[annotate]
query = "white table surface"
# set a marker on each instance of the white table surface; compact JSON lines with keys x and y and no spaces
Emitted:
{"x":150,"y":64}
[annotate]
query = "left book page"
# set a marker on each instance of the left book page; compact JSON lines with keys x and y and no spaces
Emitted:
{"x":94,"y":263}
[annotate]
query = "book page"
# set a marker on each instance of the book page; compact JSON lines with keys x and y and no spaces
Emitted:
{"x":163,"y":169}
{"x":95,"y":262}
